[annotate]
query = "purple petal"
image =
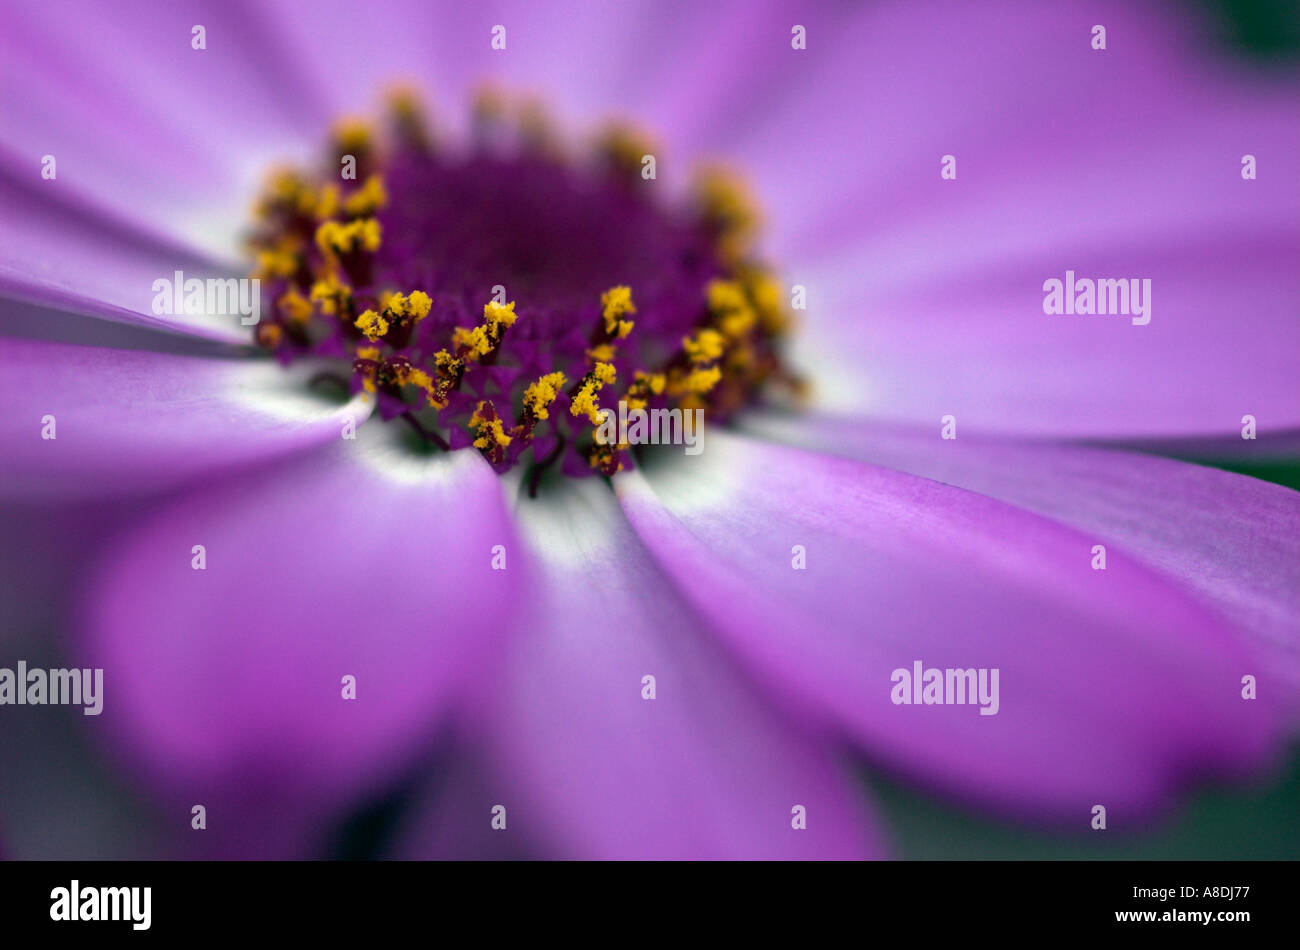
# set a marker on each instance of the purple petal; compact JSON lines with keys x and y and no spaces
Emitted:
{"x":588,"y":768}
{"x":1232,"y":540}
{"x":51,"y":757}
{"x":146,"y":123}
{"x":224,"y":686}
{"x":129,"y":422}
{"x":57,"y":248}
{"x":926,"y":295}
{"x":1119,"y":688}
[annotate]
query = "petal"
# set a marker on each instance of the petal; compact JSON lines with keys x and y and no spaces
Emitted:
{"x":452,"y":817}
{"x":1232,"y":540}
{"x":224,"y":686}
{"x":1119,"y":688}
{"x":59,"y":249}
{"x":588,"y":768}
{"x":129,"y":422}
{"x":925,"y":296}
{"x":52,"y":758}
{"x":145,"y":123}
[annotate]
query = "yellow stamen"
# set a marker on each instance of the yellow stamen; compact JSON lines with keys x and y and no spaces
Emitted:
{"x":539,"y":395}
{"x":416,"y":305}
{"x":367,"y":199}
{"x":705,"y":347}
{"x":499,"y":315}
{"x":295,"y":307}
{"x":727,"y":204}
{"x":272,"y":264}
{"x":730,"y":307}
{"x":372,"y":325}
{"x":330,"y":293}
{"x":352,"y":134}
{"x":489,"y":428}
{"x":614,"y":303}
{"x":584,"y":403}
{"x":334,"y":238}
{"x":768,"y":297}
{"x":644,"y":385}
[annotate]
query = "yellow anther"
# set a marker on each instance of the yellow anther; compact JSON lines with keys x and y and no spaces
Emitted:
{"x":475,"y":342}
{"x":614,"y":303}
{"x":490,"y":431}
{"x":734,"y":316}
{"x":539,"y":395}
{"x":327,"y":203}
{"x":705,"y":346}
{"x":328,"y":236}
{"x":499,"y":315}
{"x":653,"y":381}
{"x":372,"y":325}
{"x":726,"y":203}
{"x":602,"y":353}
{"x":295,"y":308}
{"x":584,"y":403}
{"x":352,"y":134}
{"x":416,"y":305}
{"x":765,"y":290}
{"x":369,"y":233}
{"x":737,"y":323}
{"x":602,"y":458}
{"x":644,"y":385}
{"x":481,"y":340}
{"x":367,"y":199}
{"x":330,"y":293}
{"x":725,"y":295}
{"x":408,"y":375}
{"x":370,"y":353}
{"x":687,"y":385}
{"x":285,"y":189}
{"x":275,"y":263}
{"x":335,"y":238}
{"x":702,"y":380}
{"x":418,"y":377}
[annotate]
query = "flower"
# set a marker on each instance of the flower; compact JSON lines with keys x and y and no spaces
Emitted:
{"x":770,"y":587}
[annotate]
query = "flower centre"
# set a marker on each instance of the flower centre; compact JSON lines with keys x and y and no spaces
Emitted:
{"x":507,"y":296}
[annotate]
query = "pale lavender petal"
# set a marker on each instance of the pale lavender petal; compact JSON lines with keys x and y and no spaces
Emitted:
{"x":588,"y":768}
{"x":145,"y":123}
{"x":1115,"y":688}
{"x":59,"y":249}
{"x":611,"y":63}
{"x":925,"y":295}
{"x":1233,"y":540}
{"x":86,"y":421}
{"x":225,"y":686}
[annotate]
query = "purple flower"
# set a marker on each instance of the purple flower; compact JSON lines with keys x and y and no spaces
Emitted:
{"x":682,"y":660}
